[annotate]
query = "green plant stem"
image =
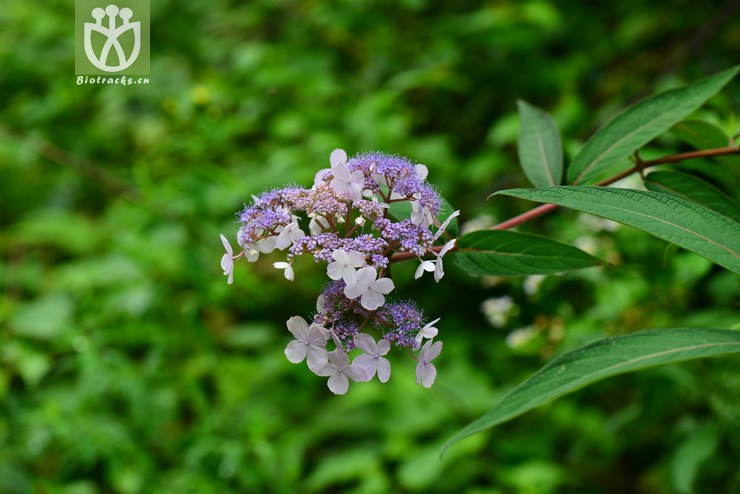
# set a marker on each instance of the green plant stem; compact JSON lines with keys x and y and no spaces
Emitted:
{"x":639,"y":166}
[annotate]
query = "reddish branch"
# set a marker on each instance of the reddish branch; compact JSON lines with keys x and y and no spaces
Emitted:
{"x":639,"y":166}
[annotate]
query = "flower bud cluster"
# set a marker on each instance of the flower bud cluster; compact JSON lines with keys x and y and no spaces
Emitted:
{"x":345,"y":220}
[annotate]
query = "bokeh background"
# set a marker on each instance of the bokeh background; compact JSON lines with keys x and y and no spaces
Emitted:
{"x":127,"y":365}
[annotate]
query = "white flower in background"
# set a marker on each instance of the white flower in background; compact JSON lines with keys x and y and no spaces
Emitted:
{"x":372,"y":360}
{"x":288,"y":235}
{"x":227,"y":260}
{"x":345,"y":264}
{"x":344,"y":181}
{"x":428,"y":331}
{"x":427,"y":266}
{"x":498,"y":310}
{"x":425,"y":370}
{"x":339,"y":371}
{"x":446,"y":223}
{"x":309,"y":343}
{"x":288,"y":273}
{"x":438,"y":268}
{"x":532,"y":283}
{"x":369,"y":288}
{"x":521,"y":336}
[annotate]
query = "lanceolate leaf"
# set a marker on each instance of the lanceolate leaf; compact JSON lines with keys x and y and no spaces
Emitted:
{"x":693,"y":189}
{"x":507,"y":253}
{"x":684,"y":223}
{"x":540,"y":151}
{"x":605,"y":153}
{"x":602,"y":359}
{"x":700,"y":134}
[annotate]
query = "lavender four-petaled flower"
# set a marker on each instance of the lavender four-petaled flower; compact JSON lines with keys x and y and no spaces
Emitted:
{"x":309,"y":343}
{"x":344,"y":265}
{"x":344,"y":181}
{"x":339,"y":371}
{"x":372,"y":360}
{"x":371,"y":290}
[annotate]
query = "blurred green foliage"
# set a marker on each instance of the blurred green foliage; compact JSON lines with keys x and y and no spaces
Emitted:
{"x":128,"y":365}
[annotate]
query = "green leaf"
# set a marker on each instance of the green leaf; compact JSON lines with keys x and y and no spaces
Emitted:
{"x":602,"y":359}
{"x":540,"y":150}
{"x":693,"y":189}
{"x":604,"y":154}
{"x":684,"y":223}
{"x":507,"y":253}
{"x":700,"y":134}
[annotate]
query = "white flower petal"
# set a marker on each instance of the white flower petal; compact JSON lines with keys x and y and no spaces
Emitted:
{"x":367,"y":364}
{"x":349,"y":275}
{"x":298,"y":327}
{"x":355,"y":259}
{"x":227,"y":245}
{"x":338,"y":383}
{"x":366,"y":275}
{"x":266,"y":245}
{"x":383,"y":285}
{"x":426,"y":373}
{"x":328,"y":369}
{"x":446,"y":247}
{"x":357,"y":374}
{"x":340,"y":255}
{"x":366,"y":343}
{"x":438,"y":270}
{"x":317,"y":335}
{"x":296,"y":351}
{"x":339,"y":358}
{"x":384,"y":369}
{"x":316,"y":358}
{"x":335,"y":270}
{"x":320,"y":176}
{"x":384,"y":346}
{"x":421,"y":172}
{"x":446,"y":224}
{"x":341,"y":173}
{"x":289,"y":274}
{"x":338,"y":156}
{"x":227,"y":262}
{"x":371,"y":300}
{"x":354,"y":290}
{"x":430,"y":351}
{"x":251,"y":254}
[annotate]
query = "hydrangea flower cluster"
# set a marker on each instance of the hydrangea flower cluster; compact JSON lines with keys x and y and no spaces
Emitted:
{"x":343,"y":220}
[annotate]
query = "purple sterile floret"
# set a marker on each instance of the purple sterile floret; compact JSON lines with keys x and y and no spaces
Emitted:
{"x":401,"y":322}
{"x":322,"y":200}
{"x":324,"y":244}
{"x":409,"y":237}
{"x":346,"y":330}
